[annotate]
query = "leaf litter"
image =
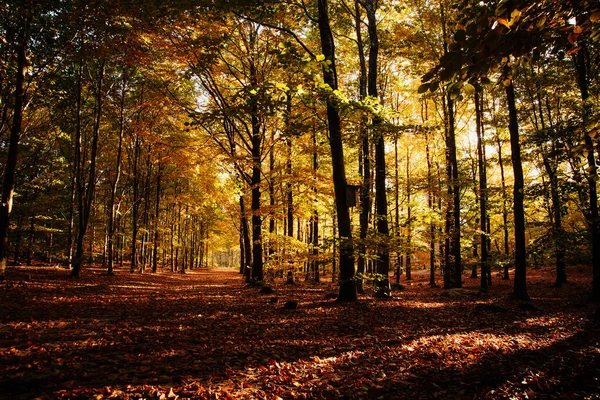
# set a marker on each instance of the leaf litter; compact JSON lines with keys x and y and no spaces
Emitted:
{"x":207,"y":336}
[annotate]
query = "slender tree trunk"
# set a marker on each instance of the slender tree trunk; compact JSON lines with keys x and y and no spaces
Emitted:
{"x":257,"y":255}
{"x":397,"y":208}
{"x":365,"y":171}
{"x":347,"y":285}
{"x":520,"y":286}
{"x":8,"y":184}
{"x":453,"y":264}
{"x":582,"y":80}
{"x":408,"y":262}
{"x":485,"y":268}
{"x":289,"y":170}
{"x":315,"y":216}
{"x":136,"y":204}
{"x":383,"y":261}
{"x":86,"y":192}
{"x":115,"y":183}
{"x":430,"y":203}
{"x":30,"y":252}
{"x":246,"y":236}
{"x":156,"y":219}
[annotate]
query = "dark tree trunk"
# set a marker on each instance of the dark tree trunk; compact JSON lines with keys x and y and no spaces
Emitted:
{"x":30,"y":249}
{"x":156,"y":220}
{"x":112,"y":207}
{"x":246,"y":239}
{"x":8,"y":184}
{"x":582,"y":80}
{"x":485,"y":268}
{"x":315,"y":216}
{"x":289,"y":171}
{"x":86,"y":192}
{"x":430,"y":203}
{"x":505,"y":275}
{"x":383,"y":261}
{"x":347,"y":285}
{"x":365,"y":171}
{"x":136,"y":204}
{"x":408,"y":261}
{"x":520,"y":286}
{"x":457,"y":259}
{"x":257,"y":256}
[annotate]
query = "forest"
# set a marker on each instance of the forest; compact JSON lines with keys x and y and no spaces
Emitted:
{"x":299,"y":199}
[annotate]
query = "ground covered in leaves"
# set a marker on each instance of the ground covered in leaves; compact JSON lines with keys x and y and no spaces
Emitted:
{"x":206,"y":335}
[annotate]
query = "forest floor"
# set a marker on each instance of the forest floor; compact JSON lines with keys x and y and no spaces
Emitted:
{"x":205,"y":335}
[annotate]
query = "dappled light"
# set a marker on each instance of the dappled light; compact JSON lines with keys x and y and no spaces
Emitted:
{"x":210,"y":335}
{"x":299,"y":199}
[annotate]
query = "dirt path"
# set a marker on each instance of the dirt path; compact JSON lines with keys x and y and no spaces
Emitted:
{"x":206,"y":335}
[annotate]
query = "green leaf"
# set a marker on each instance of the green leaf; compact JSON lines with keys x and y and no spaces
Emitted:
{"x":469,"y":89}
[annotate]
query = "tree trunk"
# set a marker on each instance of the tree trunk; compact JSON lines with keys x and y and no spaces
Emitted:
{"x":582,"y":80}
{"x":383,"y":261}
{"x":8,"y":185}
{"x":86,"y":192}
{"x":315,"y":216}
{"x":112,"y":207}
{"x":520,"y":286}
{"x":136,"y":204}
{"x":484,"y":263}
{"x":246,"y":239}
{"x":156,"y":220}
{"x":365,"y":171}
{"x":257,"y":256}
{"x":347,"y":285}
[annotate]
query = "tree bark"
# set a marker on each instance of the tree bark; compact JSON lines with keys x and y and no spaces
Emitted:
{"x":112,"y":207}
{"x":582,"y":80}
{"x":156,"y":219}
{"x":86,"y":192}
{"x":483,"y":190}
{"x":8,"y":185}
{"x":347,"y":284}
{"x":520,"y":284}
{"x":136,"y":204}
{"x":365,"y":171}
{"x":383,"y":261}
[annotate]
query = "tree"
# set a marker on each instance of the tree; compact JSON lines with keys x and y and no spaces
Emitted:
{"x":347,"y":284}
{"x":24,"y":18}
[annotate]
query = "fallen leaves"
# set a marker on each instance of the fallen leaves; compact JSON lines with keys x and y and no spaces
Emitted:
{"x":164,"y":337}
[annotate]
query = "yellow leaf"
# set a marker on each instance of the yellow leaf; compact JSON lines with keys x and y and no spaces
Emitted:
{"x":469,"y":89}
{"x":507,"y":82}
{"x":541,"y":22}
{"x":504,"y":22}
{"x":320,"y":57}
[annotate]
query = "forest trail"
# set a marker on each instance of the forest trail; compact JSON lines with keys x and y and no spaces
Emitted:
{"x":206,"y":335}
